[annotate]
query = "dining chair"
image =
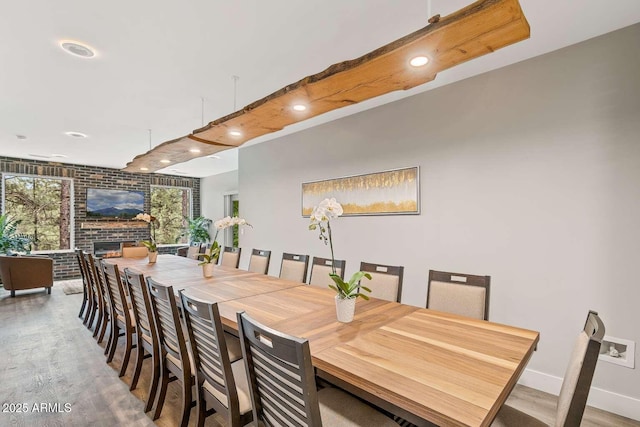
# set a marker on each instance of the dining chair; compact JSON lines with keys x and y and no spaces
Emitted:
{"x":294,"y":267}
{"x":121,"y":317}
{"x":462,"y":294}
{"x":87,"y":295}
{"x":259,"y":261}
{"x":386,"y":281}
{"x":147,"y":344}
{"x":230,"y":257}
{"x":221,"y":385}
{"x":321,"y":268}
{"x":283,"y":386}
{"x":102,"y":305}
{"x":135,"y":252}
{"x":174,"y":357}
{"x":575,"y":386}
{"x":194,"y":250}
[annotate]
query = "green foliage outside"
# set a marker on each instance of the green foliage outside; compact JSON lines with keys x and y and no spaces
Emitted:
{"x":170,"y":206}
{"x":42,"y":209}
{"x":236,"y":228}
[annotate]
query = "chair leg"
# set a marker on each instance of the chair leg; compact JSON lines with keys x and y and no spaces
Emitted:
{"x":138,"y":368}
{"x":13,"y":294}
{"x":201,"y":408}
{"x":113,"y":340}
{"x":155,"y":378}
{"x":87,"y":314}
{"x":164,"y":383}
{"x":98,"y":322}
{"x":103,"y":327}
{"x":92,"y":316}
{"x":186,"y":400}
{"x":49,"y":290}
{"x":83,"y":306}
{"x":127,"y":352}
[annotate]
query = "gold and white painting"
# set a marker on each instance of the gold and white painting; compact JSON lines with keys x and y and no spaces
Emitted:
{"x":381,"y":193}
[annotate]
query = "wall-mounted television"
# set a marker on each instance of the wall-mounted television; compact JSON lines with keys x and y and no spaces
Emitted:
{"x":122,"y":204}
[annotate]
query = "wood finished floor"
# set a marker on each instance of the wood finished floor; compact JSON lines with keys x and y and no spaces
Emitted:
{"x":49,"y":356}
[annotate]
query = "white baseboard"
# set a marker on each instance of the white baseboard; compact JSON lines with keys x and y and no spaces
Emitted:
{"x":598,"y":398}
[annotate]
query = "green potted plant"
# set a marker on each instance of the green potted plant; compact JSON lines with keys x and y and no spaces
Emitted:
{"x":10,"y":239}
{"x":349,"y":291}
{"x":197,"y":229}
{"x":150,"y":244}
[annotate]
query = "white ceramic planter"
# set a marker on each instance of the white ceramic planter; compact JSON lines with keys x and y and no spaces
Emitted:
{"x":207,"y":269}
{"x":345,"y":309}
{"x":153,"y":257}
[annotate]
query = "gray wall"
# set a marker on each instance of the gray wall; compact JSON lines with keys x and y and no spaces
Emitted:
{"x":529,"y":174}
{"x":213,"y":190}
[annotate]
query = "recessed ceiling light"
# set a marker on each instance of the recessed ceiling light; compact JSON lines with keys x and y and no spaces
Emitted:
{"x":213,"y":156}
{"x":165,"y":161}
{"x":195,"y":150}
{"x":419,"y":61}
{"x":21,"y":137}
{"x":144,"y":169}
{"x":77,"y":49}
{"x":235,"y":133}
{"x":299,"y":107}
{"x":42,"y":156}
{"x":76,"y":134}
{"x":59,"y":155}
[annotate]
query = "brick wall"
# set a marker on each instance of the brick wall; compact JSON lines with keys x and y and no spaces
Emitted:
{"x":86,"y":230}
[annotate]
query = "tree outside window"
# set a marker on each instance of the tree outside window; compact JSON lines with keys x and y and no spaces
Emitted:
{"x":170,"y":205}
{"x":43,"y":205}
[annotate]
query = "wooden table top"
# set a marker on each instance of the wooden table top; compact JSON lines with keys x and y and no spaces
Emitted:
{"x":428,"y":365}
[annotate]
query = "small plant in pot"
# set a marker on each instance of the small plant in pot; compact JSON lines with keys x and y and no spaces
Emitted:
{"x":209,"y":259}
{"x":150,"y":244}
{"x":349,"y":291}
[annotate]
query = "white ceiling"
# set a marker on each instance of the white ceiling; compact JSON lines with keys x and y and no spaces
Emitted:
{"x":157,"y":59}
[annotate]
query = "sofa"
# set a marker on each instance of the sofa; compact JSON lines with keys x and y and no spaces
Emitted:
{"x":26,"y":272}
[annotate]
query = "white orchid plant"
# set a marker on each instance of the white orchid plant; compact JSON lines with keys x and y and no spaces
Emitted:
{"x":214,"y":250}
{"x":151,"y":244}
{"x":321,"y":217}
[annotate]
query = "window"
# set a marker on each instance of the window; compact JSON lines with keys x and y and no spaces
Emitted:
{"x":170,"y":205}
{"x":44,"y":205}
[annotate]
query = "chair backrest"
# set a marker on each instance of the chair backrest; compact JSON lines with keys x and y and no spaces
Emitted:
{"x":386,"y":281}
{"x":141,"y":304}
{"x":113,"y":284}
{"x":135,"y":252}
{"x":577,"y":379}
{"x":280,"y":373}
{"x":230,"y":257}
{"x":320,"y":270}
{"x":194,"y":250}
{"x":86,"y":285}
{"x":463,"y":294}
{"x":259,"y":261}
{"x":168,"y":327}
{"x":294,"y":267}
{"x":210,"y":355}
{"x":95,"y":279}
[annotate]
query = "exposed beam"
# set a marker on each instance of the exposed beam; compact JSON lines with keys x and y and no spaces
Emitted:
{"x":478,"y":29}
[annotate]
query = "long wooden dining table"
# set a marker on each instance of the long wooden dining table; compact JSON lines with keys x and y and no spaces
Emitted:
{"x":426,"y":366}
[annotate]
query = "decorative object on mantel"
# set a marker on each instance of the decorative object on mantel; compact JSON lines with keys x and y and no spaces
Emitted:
{"x":393,"y":192}
{"x":471,"y":32}
{"x":150,"y":244}
{"x":210,"y":258}
{"x":347,"y":292}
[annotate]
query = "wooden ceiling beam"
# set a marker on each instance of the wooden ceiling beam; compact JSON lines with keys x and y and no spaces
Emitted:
{"x":476,"y":30}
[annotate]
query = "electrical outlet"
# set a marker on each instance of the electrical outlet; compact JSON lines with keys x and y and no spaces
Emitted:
{"x":618,"y":351}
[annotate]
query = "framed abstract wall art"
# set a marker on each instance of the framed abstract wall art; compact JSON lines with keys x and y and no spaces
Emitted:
{"x":394,"y":192}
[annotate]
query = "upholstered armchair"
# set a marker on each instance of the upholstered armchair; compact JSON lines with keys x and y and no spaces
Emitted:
{"x":26,"y":272}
